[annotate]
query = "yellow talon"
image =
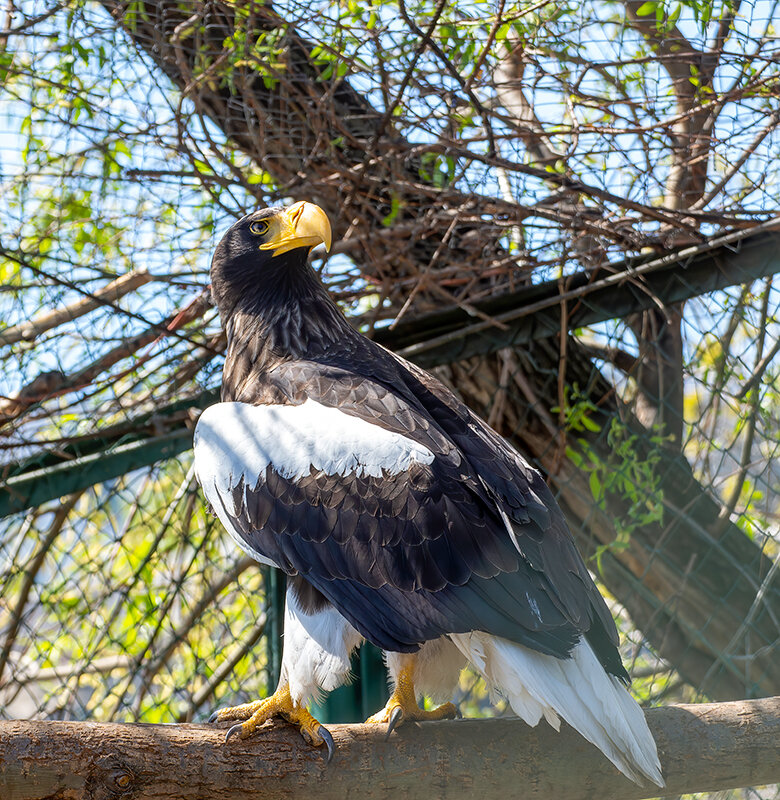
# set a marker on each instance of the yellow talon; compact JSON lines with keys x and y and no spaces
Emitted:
{"x":402,"y":705}
{"x":281,"y":704}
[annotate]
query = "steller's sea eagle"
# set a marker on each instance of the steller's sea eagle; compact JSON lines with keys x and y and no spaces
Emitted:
{"x":398,"y":516}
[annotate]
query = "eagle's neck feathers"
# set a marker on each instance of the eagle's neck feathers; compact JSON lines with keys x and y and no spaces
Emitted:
{"x":287,"y":316}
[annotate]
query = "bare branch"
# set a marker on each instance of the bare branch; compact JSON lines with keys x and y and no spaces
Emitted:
{"x":508,"y":81}
{"x":111,"y":293}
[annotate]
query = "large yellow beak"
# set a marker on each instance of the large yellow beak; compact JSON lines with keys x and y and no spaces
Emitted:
{"x":301,"y":225}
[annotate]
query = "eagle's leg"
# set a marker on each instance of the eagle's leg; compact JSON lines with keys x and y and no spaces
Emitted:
{"x":279,"y":704}
{"x":402,"y":705}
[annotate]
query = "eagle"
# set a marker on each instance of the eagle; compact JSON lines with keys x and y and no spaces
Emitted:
{"x":397,"y":514}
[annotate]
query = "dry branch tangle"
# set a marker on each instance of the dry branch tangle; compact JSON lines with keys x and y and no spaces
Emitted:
{"x":702,"y":747}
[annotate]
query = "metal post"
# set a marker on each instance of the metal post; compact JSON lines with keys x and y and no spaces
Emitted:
{"x":276,"y":587}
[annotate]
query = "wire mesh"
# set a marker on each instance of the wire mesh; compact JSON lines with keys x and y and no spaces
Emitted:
{"x":474,"y":158}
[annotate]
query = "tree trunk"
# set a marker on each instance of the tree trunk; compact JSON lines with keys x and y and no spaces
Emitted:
{"x":690,"y":591}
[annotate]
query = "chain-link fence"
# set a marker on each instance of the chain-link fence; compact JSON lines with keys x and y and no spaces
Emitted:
{"x":567,"y":211}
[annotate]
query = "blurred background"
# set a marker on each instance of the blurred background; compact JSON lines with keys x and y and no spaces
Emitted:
{"x":568,"y":211}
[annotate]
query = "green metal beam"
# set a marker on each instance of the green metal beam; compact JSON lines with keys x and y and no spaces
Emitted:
{"x":34,"y":487}
{"x":531,"y":313}
{"x":592,"y":296}
{"x":145,"y":427}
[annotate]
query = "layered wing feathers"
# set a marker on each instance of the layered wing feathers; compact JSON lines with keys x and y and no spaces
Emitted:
{"x":411,"y":516}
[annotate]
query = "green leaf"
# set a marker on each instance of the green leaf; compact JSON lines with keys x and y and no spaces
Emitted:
{"x":596,"y":488}
{"x":590,"y":424}
{"x":395,"y":207}
{"x":121,"y":147}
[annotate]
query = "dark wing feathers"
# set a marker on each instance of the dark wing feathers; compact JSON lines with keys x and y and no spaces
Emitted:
{"x":472,"y":541}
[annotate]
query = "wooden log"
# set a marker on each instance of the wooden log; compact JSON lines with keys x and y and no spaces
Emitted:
{"x":706,"y":747}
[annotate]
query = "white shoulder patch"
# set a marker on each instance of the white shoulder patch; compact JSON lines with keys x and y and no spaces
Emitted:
{"x":237,"y":440}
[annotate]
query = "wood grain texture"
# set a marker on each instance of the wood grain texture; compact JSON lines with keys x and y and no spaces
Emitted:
{"x":702,"y":747}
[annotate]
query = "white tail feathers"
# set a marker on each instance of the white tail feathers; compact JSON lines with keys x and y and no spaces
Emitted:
{"x":576,"y":688}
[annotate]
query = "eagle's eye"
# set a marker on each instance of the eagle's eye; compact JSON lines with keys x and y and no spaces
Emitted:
{"x":258,"y":227}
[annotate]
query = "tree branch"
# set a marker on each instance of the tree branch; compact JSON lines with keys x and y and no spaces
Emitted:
{"x":508,"y":81}
{"x":52,"y":384}
{"x":677,"y":52}
{"x":730,"y":11}
{"x":30,"y":575}
{"x":111,"y":293}
{"x":702,"y":748}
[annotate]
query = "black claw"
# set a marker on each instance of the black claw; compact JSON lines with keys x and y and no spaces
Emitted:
{"x":396,"y":715}
{"x":458,"y":715}
{"x":325,"y":733}
{"x":214,"y":716}
{"x":234,"y":731}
